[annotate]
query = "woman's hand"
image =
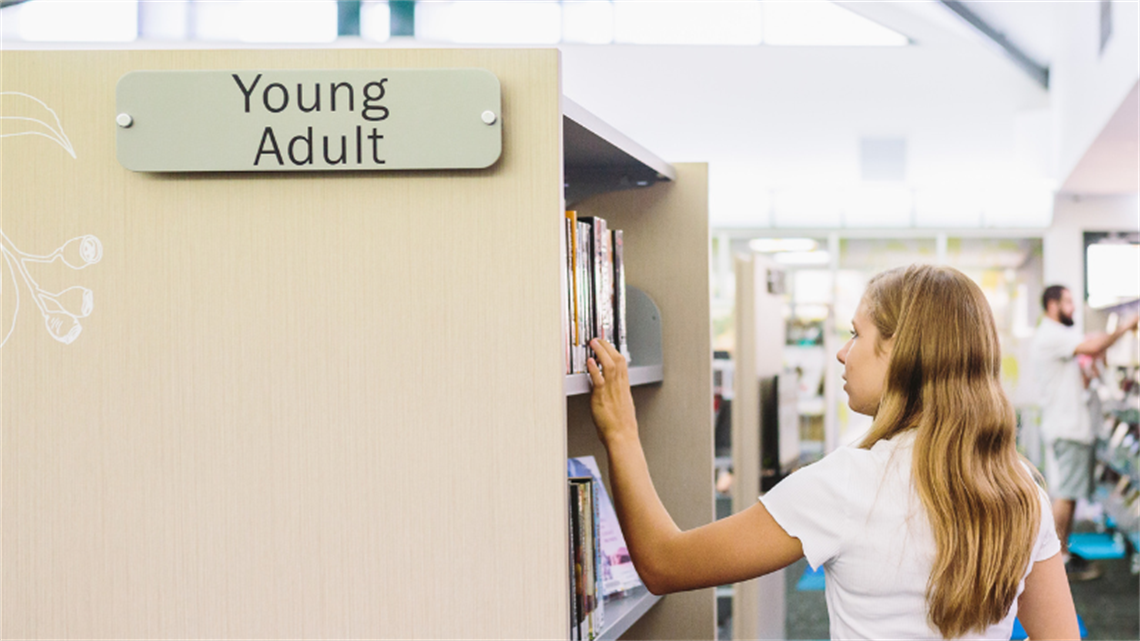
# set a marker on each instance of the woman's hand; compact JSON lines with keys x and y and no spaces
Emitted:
{"x":611,"y":401}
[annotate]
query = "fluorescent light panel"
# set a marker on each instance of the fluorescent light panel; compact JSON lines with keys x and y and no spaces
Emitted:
{"x":164,"y":19}
{"x":773,"y":245}
{"x":819,"y":23}
{"x":375,"y":20}
{"x":490,"y":22}
{"x":820,"y":257}
{"x":685,"y":22}
{"x":588,"y":21}
{"x":79,"y":20}
{"x":296,"y":21}
{"x":219,"y":20}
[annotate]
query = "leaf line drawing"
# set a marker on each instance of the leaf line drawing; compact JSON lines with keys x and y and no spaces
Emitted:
{"x":29,"y":115}
{"x":25,"y":115}
{"x":62,"y":310}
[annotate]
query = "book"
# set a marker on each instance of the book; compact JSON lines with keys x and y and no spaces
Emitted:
{"x":585,"y":287}
{"x":596,"y":585}
{"x":618,"y":573}
{"x":568,"y":303}
{"x":577,"y":589}
{"x":596,"y":303}
{"x":620,"y":335}
{"x":587,"y":587}
{"x":602,"y":277}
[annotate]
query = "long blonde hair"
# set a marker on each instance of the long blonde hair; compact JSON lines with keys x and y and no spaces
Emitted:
{"x":943,"y":381}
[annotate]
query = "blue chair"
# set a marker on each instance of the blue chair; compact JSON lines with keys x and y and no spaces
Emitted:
{"x":812,"y":580}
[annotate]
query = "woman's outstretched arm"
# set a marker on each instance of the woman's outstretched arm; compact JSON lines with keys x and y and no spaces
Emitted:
{"x":738,"y":548}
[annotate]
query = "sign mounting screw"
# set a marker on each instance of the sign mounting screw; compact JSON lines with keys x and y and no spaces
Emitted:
{"x":124,"y":120}
{"x":489,"y":117}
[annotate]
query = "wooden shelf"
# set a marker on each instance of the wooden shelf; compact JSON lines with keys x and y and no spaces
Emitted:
{"x":598,"y":158}
{"x":622,"y":613}
{"x":645,"y":375}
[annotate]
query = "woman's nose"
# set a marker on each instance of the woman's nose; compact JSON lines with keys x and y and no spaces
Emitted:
{"x":841,"y":355}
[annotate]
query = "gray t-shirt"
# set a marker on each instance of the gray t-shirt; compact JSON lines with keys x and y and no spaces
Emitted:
{"x":1064,"y":414}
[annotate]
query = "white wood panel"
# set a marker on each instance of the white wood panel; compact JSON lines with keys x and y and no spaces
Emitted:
{"x":303,"y":405}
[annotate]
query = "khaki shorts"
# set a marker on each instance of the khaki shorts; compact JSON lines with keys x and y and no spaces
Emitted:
{"x":1072,"y":478}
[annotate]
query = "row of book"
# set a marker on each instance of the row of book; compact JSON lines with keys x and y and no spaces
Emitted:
{"x":595,"y":298}
{"x":600,"y":564}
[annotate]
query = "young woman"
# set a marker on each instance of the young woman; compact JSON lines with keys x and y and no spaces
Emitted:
{"x":933,"y":527}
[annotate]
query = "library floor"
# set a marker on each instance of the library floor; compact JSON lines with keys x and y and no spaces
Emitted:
{"x":1109,"y":606}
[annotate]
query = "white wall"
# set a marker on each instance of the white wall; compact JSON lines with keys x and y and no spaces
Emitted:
{"x":779,"y":117}
{"x":1063,"y":243}
{"x":1086,"y":86}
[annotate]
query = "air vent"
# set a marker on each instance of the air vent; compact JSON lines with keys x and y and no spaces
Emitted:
{"x":883,"y":159}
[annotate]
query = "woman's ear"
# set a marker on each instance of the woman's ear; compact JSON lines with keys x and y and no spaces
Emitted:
{"x":884,"y":346}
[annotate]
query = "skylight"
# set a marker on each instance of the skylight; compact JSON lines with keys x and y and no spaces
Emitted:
{"x":79,"y":21}
{"x":490,"y":22}
{"x":821,"y":23}
{"x":687,"y":22}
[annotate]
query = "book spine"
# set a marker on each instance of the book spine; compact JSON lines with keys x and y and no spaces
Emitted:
{"x":599,"y":587}
{"x":584,"y":608}
{"x":567,"y":305}
{"x":619,"y":294}
{"x":585,"y":286}
{"x":575,"y":567}
{"x":607,"y":283}
{"x":590,"y":561}
{"x":599,"y":260}
{"x":577,"y":362}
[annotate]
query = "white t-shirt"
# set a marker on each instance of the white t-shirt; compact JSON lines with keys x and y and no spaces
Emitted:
{"x":856,"y":513}
{"x":1064,"y":414}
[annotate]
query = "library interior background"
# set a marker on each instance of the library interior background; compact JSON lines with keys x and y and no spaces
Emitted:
{"x":302,"y":400}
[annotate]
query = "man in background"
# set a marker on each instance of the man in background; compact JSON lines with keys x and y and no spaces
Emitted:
{"x":1066,"y":424}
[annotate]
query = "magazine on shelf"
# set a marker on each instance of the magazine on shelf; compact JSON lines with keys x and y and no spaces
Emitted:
{"x":618,"y":573}
{"x":576,"y":340}
{"x":595,"y":305}
{"x":590,"y":598}
{"x":602,"y":271}
{"x":585,"y":287}
{"x":577,"y":590}
{"x":568,"y":303}
{"x":620,"y":335}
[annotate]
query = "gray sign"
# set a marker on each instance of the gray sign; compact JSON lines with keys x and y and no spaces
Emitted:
{"x":308,"y":120}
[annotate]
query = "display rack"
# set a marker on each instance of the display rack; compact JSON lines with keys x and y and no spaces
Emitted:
{"x":332,"y":403}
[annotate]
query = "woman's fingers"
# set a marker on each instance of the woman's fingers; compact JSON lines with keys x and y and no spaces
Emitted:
{"x":615,"y":355}
{"x":595,"y":373}
{"x":602,"y":354}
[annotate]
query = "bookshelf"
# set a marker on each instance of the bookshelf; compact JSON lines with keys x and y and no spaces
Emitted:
{"x":598,"y":158}
{"x":330,"y":404}
{"x":622,"y":613}
{"x":758,"y":606}
{"x":645,"y":345}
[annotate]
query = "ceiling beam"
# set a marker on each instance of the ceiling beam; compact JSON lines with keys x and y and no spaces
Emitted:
{"x":1036,"y":70}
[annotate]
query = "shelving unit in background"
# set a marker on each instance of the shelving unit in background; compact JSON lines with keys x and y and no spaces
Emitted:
{"x":758,"y":606}
{"x":1118,"y":474}
{"x":366,"y":433}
